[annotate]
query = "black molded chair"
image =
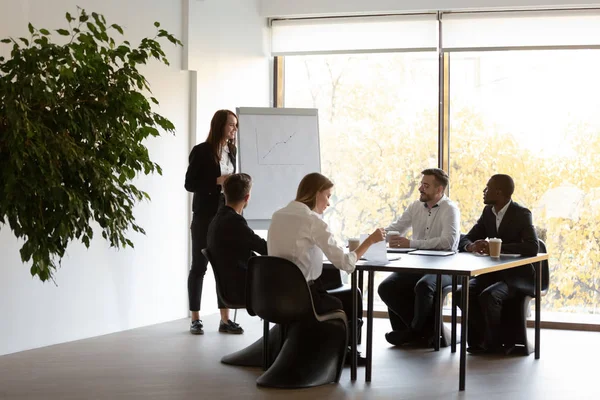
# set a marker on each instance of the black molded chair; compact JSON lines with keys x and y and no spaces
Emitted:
{"x":516,"y":310}
{"x":314,"y":346}
{"x":223,"y":299}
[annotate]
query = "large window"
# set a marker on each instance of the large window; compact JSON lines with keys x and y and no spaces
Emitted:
{"x":378,"y":130}
{"x":534,"y":115}
{"x":515,"y":107}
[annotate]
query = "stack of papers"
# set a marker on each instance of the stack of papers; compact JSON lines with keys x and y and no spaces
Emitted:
{"x":377,"y":252}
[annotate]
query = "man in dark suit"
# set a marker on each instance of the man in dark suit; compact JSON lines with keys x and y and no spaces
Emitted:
{"x":231,"y":243}
{"x":501,"y":218}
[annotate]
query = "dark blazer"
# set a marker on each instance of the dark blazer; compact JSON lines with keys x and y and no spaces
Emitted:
{"x":518,"y":237}
{"x":231,"y":243}
{"x":201,"y":178}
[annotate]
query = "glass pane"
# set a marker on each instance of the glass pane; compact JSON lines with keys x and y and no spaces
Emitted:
{"x":378,"y":130}
{"x":534,"y":115}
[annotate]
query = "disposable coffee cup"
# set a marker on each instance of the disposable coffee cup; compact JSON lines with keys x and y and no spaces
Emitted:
{"x":495,"y":246}
{"x":353,"y":244}
{"x":391,"y":234}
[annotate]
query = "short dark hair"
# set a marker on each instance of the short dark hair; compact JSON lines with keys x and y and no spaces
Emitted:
{"x":504,"y":183}
{"x":236,"y":187}
{"x":441,"y":177}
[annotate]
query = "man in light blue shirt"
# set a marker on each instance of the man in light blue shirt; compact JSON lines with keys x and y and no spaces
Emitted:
{"x":435,"y":223}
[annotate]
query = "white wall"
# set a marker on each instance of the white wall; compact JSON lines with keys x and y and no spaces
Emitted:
{"x":228,"y":48}
{"x":101,"y":290}
{"x":228,"y":43}
{"x":295,"y":8}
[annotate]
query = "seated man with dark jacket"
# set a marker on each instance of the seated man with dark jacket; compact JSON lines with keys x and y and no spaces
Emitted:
{"x":505,"y":219}
{"x":231,"y":243}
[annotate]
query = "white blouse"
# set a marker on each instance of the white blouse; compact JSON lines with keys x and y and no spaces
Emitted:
{"x":225,"y":163}
{"x":300,"y":235}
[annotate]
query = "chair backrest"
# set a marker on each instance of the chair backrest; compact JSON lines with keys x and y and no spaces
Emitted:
{"x":277,"y":291}
{"x":545,"y":268}
{"x":219,"y":282}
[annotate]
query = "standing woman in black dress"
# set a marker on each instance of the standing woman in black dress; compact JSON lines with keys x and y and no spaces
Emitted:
{"x":210,"y":163}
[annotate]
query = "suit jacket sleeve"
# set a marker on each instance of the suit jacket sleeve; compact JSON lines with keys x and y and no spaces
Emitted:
{"x":203,"y":171}
{"x":254,"y":242}
{"x":528,"y":246}
{"x":247,"y":239}
{"x":477,"y":232}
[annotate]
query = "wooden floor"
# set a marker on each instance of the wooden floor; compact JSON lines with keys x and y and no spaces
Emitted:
{"x":166,"y":362}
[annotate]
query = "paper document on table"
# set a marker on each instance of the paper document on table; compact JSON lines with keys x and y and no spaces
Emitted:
{"x":377,"y":252}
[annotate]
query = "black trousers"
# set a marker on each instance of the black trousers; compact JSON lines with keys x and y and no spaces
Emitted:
{"x":486,"y":294}
{"x":410,"y":299}
{"x":199,"y":229}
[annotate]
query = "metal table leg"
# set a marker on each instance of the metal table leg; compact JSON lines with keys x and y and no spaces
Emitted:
{"x":437,"y":326}
{"x":354,"y":336}
{"x":463,"y":332}
{"x":371,"y":284}
{"x":453,"y":334}
{"x":538,"y":307}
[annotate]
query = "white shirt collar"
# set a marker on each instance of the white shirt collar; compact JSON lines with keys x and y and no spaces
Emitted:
{"x":442,"y":199}
{"x":502,"y":211}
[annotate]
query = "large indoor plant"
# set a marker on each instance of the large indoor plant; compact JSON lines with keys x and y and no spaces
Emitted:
{"x":73,"y":119}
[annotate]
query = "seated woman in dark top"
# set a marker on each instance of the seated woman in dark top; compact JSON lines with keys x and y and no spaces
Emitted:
{"x":231,"y":243}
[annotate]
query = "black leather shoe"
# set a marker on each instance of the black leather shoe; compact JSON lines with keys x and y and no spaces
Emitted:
{"x":230,"y":327}
{"x":476,"y":350}
{"x":196,"y":327}
{"x":511,"y":349}
{"x":398,"y":338}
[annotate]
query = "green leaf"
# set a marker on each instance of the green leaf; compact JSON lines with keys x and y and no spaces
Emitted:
{"x":68,"y":17}
{"x":156,"y":24}
{"x":63,"y":32}
{"x":24,"y":41}
{"x":44,"y":31}
{"x":6,"y":40}
{"x":118,"y":29}
{"x":30,"y":27}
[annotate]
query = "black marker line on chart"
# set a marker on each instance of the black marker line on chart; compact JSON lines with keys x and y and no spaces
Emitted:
{"x":277,"y":144}
{"x":272,"y":148}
